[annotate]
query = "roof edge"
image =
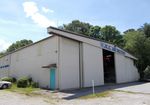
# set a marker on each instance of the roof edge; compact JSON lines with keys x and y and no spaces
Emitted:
{"x":82,"y":35}
{"x":26,"y":46}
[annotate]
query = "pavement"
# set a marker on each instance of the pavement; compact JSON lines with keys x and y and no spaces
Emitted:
{"x":138,"y":87}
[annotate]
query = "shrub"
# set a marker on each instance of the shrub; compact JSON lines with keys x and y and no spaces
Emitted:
{"x":9,"y":79}
{"x":147,"y":73}
{"x":14,"y":80}
{"x":22,"y":82}
{"x":29,"y":80}
{"x":35,"y":84}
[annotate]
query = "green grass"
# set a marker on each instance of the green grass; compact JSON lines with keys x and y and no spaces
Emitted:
{"x":127,"y":92}
{"x":97,"y":95}
{"x":26,"y":91}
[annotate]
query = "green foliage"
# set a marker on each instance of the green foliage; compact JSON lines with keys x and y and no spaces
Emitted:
{"x":34,"y":84}
{"x":14,"y":80}
{"x":77,"y":26}
{"x":18,"y":44}
{"x":26,"y":91}
{"x":9,"y":79}
{"x":138,"y":44}
{"x":22,"y":82}
{"x":97,"y":95}
{"x":95,"y":31}
{"x":2,"y":54}
{"x":129,"y":30}
{"x":27,"y":82}
{"x":107,"y":33}
{"x":147,"y":73}
{"x":30,"y":80}
{"x":146,"y":29}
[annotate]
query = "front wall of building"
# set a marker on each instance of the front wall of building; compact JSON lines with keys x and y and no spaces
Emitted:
{"x":92,"y":65}
{"x":69,"y":64}
{"x":29,"y":61}
{"x":125,"y":69}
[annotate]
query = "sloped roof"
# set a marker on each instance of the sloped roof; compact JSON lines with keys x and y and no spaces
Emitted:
{"x":81,"y":38}
{"x":90,"y":40}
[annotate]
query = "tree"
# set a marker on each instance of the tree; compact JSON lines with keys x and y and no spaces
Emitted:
{"x":138,"y":44}
{"x":111,"y":34}
{"x":2,"y":54}
{"x":147,"y":73}
{"x":129,"y":30}
{"x":107,"y":33}
{"x":18,"y":44}
{"x":95,"y":31}
{"x":146,"y":29}
{"x":77,"y":26}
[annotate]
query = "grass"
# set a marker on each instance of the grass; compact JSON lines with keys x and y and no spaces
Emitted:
{"x":26,"y":91}
{"x":128,"y":92}
{"x":97,"y":95}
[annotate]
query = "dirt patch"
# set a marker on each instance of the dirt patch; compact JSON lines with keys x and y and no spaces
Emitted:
{"x":116,"y":98}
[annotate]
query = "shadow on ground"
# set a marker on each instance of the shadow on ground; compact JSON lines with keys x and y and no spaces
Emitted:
{"x":72,"y":94}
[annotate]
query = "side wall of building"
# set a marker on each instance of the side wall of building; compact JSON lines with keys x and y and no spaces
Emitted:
{"x":69,"y":64}
{"x":126,"y":71}
{"x":92,"y":65}
{"x":5,"y":66}
{"x":29,"y":61}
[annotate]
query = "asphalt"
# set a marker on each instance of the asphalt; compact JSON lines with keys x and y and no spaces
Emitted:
{"x":138,"y":87}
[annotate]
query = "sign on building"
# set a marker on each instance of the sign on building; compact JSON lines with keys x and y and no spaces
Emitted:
{"x":112,"y":48}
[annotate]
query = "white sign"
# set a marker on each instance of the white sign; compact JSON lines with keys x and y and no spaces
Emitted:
{"x":112,"y":48}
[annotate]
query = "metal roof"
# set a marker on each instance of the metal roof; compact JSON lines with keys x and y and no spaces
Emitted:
{"x":102,"y":44}
{"x":57,"y":31}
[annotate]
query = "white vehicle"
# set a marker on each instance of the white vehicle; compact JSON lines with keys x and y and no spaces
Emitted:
{"x":5,"y":84}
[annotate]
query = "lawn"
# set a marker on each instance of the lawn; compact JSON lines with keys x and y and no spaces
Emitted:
{"x":96,"y":95}
{"x":27,"y":91}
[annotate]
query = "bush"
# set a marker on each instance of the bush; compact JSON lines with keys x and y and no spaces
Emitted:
{"x":147,"y":73}
{"x":9,"y":79}
{"x":29,"y":80}
{"x":14,"y":80}
{"x":22,"y":82}
{"x":34,"y":84}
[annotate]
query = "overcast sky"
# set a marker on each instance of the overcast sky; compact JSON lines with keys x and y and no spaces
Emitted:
{"x":28,"y":19}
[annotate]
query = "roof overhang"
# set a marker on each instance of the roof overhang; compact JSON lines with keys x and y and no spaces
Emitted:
{"x":49,"y":66}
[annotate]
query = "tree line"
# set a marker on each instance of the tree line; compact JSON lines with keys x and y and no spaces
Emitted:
{"x":15,"y":46}
{"x":135,"y":41}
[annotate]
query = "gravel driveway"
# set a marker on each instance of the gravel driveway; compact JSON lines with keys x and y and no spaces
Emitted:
{"x":117,"y":97}
{"x":12,"y":98}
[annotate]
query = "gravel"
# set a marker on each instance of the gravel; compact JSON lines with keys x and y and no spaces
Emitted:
{"x":134,"y":94}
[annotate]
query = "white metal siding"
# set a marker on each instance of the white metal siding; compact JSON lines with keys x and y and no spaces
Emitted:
{"x":125,"y":69}
{"x":29,"y":61}
{"x":69,"y":64}
{"x":4,"y":72}
{"x":92,"y":65}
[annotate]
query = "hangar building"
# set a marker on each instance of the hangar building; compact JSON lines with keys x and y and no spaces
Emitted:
{"x":67,"y":60}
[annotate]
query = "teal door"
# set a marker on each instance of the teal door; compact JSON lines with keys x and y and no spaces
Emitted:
{"x":52,"y":78}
